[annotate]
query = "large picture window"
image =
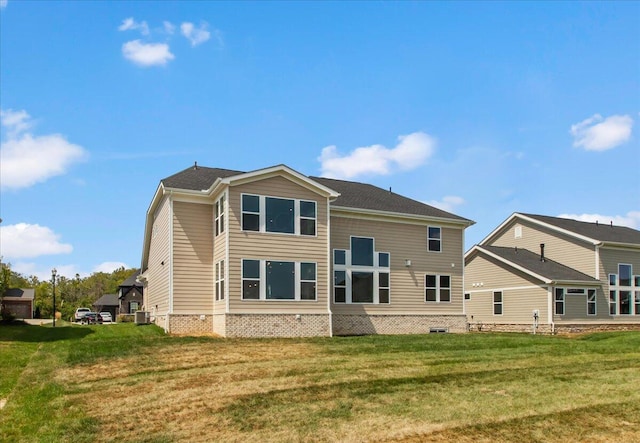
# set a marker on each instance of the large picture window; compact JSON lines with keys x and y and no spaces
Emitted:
{"x":437,"y":288}
{"x":278,"y":215}
{"x":622,"y":298}
{"x":361,"y":274}
{"x":278,"y":280}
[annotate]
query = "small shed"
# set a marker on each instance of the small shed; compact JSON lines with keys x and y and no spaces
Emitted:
{"x":19,"y":302}
{"x":108,"y":303}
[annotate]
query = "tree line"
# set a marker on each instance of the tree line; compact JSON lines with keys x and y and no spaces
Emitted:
{"x":71,"y":293}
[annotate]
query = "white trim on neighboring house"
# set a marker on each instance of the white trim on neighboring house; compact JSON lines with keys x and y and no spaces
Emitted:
{"x":510,"y":263}
{"x":464,"y":300}
{"x":226,"y":253}
{"x":329,"y":293}
{"x":170,"y":307}
{"x":499,"y":288}
{"x":377,"y":215}
{"x":597,"y":254}
{"x":550,"y":307}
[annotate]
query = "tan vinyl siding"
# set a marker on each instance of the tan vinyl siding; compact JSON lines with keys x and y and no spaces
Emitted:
{"x":521,"y":293}
{"x":157,"y":290}
{"x":405,"y":241}
{"x":273,"y":246}
{"x":559,"y":247}
{"x":192,"y":258}
{"x":611,"y":257}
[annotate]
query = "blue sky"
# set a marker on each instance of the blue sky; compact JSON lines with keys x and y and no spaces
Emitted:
{"x":482,"y":109}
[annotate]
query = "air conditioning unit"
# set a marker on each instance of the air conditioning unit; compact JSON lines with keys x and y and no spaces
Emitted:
{"x":142,"y":317}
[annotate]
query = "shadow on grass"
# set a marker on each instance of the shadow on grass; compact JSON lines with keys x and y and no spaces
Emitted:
{"x":23,"y":332}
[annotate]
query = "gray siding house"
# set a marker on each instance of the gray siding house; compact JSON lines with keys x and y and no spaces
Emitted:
{"x":548,"y":274}
{"x":273,"y":252}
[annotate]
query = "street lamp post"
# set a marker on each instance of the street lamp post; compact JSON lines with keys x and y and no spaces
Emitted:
{"x":54,"y":273}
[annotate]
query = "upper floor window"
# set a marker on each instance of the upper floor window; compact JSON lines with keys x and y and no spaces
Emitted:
{"x":434,"y":238}
{"x":281,"y":215}
{"x":219,"y":216}
{"x":220,"y":272}
{"x":623,"y":300}
{"x":624,"y":275}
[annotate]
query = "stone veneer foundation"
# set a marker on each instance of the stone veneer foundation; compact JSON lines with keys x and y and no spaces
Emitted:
{"x":397,"y":324}
{"x":558,"y":328}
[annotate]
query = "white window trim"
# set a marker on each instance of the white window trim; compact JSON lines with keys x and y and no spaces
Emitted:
{"x":220,"y":206}
{"x":594,"y":302}
{"x":494,"y":303}
{"x":439,"y":239}
{"x":263,"y":282}
{"x":348,"y":268}
{"x":437,"y":288}
{"x":556,"y":301}
{"x":630,"y":273}
{"x":617,"y":288}
{"x":262,"y":214}
{"x":220,"y":281}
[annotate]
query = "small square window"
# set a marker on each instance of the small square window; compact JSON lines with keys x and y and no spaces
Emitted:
{"x":339,"y":257}
{"x":383,"y":259}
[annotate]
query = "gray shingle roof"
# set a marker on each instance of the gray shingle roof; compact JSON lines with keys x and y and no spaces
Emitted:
{"x":598,"y":231}
{"x":131,"y":281}
{"x":24,"y":294}
{"x":107,"y":300}
{"x":531,"y":261}
{"x":197,"y":178}
{"x":365,"y":196}
{"x":352,"y":194}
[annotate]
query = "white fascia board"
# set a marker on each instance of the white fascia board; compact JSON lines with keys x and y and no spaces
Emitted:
{"x":515,"y":266}
{"x":373,"y":214}
{"x":576,"y":283}
{"x":498,"y":229}
{"x":281,"y":170}
{"x":619,"y":246}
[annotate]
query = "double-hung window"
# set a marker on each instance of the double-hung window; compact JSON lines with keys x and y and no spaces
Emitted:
{"x":434,"y":239}
{"x":219,"y":216}
{"x":437,"y":288}
{"x":497,"y":303}
{"x":591,"y":302}
{"x":279,"y":215}
{"x":559,"y":301}
{"x":278,"y":280}
{"x":220,"y":280}
{"x":361,"y":274}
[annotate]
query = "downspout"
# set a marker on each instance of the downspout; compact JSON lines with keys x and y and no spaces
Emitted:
{"x":597,"y":251}
{"x":227,"y":233}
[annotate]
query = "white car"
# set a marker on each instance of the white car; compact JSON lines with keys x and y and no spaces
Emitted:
{"x":106,"y":317}
{"x":80,"y":313}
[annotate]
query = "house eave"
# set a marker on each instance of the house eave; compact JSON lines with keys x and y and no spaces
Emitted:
{"x":349,"y":212}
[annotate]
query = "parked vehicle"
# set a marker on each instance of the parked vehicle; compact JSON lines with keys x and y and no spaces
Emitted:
{"x":106,"y":317}
{"x":91,"y":318}
{"x":80,"y":313}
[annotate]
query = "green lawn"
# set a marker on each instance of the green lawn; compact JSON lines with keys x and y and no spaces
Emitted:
{"x":132,"y":383}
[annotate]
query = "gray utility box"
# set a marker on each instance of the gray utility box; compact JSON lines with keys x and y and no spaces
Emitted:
{"x":142,"y":317}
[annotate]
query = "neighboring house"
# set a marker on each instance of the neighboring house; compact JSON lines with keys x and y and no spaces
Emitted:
{"x":130,"y":294}
{"x":108,"y":303}
{"x":574,"y":275}
{"x":273,"y":252}
{"x":19,"y":302}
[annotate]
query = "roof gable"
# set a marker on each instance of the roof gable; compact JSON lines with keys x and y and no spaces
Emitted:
{"x":529,"y":262}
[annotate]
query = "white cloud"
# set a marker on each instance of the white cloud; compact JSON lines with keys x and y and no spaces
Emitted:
{"x":44,"y":272}
{"x":147,"y":54}
{"x":15,"y":121}
{"x":598,"y":134}
{"x":26,"y":159}
{"x":169,"y":27}
{"x":630,"y":220}
{"x":411,"y":151}
{"x":130,"y":24}
{"x":448,"y":203}
{"x":109,"y":266}
{"x":26,"y":241}
{"x":195,"y":35}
